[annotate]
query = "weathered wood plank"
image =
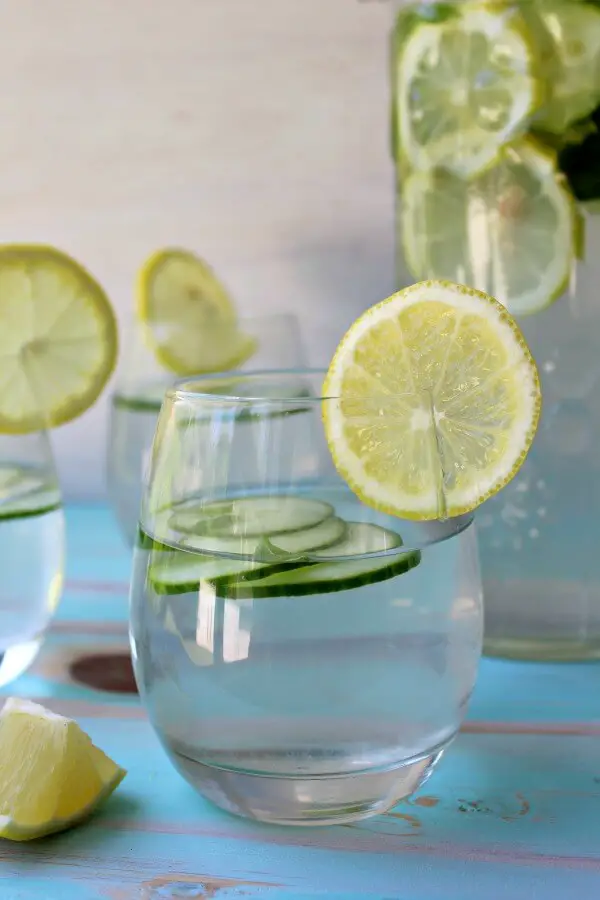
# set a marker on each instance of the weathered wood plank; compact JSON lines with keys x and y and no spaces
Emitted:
{"x":174,"y":886}
{"x":528,"y":801}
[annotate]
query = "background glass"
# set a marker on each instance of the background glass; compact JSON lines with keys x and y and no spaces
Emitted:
{"x":302,"y":709}
{"x":32,"y":548}
{"x":136,"y":403}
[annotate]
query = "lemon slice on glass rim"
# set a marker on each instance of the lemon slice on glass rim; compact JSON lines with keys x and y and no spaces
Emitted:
{"x":439,"y":402}
{"x":58,"y":340}
{"x":189,"y":320}
{"x":463,"y":88}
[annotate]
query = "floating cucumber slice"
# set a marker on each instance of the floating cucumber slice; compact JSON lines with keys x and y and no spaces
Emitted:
{"x":143,"y":398}
{"x":23,"y":493}
{"x":228,"y":546}
{"x":327,"y":533}
{"x":360,"y":538}
{"x":179,"y":572}
{"x":9,"y":478}
{"x":318,"y":578}
{"x":251,"y":516}
{"x":263,"y":547}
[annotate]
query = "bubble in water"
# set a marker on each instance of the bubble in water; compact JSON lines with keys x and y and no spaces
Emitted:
{"x":573,"y":372}
{"x":567,"y":430}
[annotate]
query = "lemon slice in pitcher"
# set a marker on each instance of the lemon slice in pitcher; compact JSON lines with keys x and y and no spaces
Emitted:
{"x":189,"y":320}
{"x":569,"y":34}
{"x":58,"y":338}
{"x":463,"y":88}
{"x":51,"y":774}
{"x":440,"y":400}
{"x":511,"y":232}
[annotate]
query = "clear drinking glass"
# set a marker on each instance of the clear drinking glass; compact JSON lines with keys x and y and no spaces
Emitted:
{"x":32,"y":548}
{"x":137,"y":400}
{"x":299,"y":663}
{"x":496,"y":143}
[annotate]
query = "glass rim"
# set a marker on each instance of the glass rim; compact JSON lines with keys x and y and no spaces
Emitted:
{"x":182,"y":389}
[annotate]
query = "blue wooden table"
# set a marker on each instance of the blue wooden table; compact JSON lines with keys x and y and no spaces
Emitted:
{"x":512,"y":812}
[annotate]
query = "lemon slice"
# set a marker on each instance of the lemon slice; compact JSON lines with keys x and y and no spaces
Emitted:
{"x":51,"y":774}
{"x":58,"y":340}
{"x":511,"y":232}
{"x":440,"y":400}
{"x":189,"y":320}
{"x":464,"y":87}
{"x":569,"y":35}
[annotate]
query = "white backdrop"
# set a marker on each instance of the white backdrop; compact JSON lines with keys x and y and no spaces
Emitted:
{"x":254,"y":131}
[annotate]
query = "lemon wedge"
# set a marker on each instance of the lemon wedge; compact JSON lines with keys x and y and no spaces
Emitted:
{"x":51,"y":774}
{"x":439,"y":401}
{"x":58,"y":341}
{"x":188,"y":318}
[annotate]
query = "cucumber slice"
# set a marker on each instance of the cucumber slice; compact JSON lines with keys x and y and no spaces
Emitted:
{"x":275,"y":545}
{"x":208,"y":544}
{"x":327,"y":533}
{"x":251,"y":516}
{"x":145,"y":398}
{"x":227,"y":546}
{"x":318,"y":578}
{"x":360,"y":538}
{"x":24,"y":493}
{"x":267,"y":550}
{"x":9,"y":478}
{"x":179,"y":572}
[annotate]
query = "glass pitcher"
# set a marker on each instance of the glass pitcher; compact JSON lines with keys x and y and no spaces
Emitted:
{"x":496,"y":146}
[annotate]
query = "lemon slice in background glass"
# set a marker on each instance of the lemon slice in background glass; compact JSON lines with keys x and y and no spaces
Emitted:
{"x":511,"y":232}
{"x":440,"y":400}
{"x":58,"y":338}
{"x":188,"y":318}
{"x":463,"y":88}
{"x":51,"y":774}
{"x":568,"y":34}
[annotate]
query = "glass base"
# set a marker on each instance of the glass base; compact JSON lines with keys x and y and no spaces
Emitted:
{"x":16,"y":659}
{"x":542,"y":620}
{"x":543,"y":649}
{"x":318,"y":800}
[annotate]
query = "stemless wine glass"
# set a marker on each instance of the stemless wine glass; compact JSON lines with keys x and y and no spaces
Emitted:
{"x":32,"y":543}
{"x":137,"y":400}
{"x":304,"y":658}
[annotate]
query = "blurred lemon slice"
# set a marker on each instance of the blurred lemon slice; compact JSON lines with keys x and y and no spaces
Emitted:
{"x":440,"y":400}
{"x":569,"y":35}
{"x":58,"y":340}
{"x":51,"y":774}
{"x":464,"y":87}
{"x":511,"y":232}
{"x":189,"y":320}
